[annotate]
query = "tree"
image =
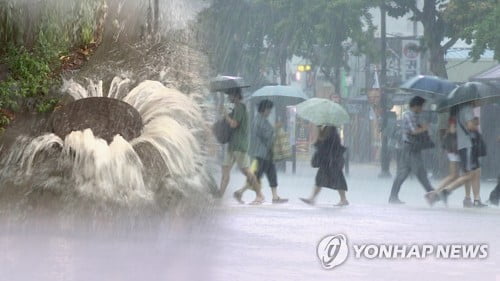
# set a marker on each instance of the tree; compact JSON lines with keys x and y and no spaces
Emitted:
{"x":480,"y":24}
{"x":444,"y":22}
{"x":234,"y":34}
{"x":318,"y":30}
{"x":338,"y":24}
{"x":266,"y":33}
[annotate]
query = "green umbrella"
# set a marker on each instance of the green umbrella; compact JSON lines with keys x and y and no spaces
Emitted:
{"x":322,"y":112}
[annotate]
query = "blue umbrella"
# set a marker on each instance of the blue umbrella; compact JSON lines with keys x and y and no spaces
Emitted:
{"x":429,"y":86}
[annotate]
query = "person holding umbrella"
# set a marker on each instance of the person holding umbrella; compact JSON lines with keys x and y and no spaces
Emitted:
{"x":469,"y":160}
{"x":330,"y":161}
{"x":451,"y":147}
{"x":411,"y":154}
{"x":261,"y":149}
{"x":238,"y":145}
{"x":329,"y":155}
{"x":469,"y":141}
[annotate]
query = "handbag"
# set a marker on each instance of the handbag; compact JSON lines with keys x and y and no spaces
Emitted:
{"x":222,"y":130}
{"x":420,"y":141}
{"x":281,"y":147}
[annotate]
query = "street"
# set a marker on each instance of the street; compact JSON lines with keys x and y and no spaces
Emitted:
{"x":279,"y":242}
{"x":270,"y":242}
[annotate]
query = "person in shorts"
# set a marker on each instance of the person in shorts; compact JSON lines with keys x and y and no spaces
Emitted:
{"x":450,"y":145}
{"x":238,"y":145}
{"x":469,"y":161}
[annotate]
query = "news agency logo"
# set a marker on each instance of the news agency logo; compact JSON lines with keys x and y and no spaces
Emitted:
{"x":333,"y":251}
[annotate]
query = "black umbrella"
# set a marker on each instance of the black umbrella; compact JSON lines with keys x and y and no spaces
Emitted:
{"x":224,"y":83}
{"x":479,"y":92}
{"x":428,"y":86}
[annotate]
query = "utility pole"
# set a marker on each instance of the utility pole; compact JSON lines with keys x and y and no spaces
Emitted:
{"x":384,"y":155}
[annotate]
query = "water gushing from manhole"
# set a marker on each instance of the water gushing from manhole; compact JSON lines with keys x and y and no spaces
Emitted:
{"x":164,"y":158}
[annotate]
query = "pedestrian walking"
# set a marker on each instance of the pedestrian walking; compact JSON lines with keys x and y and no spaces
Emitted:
{"x":329,"y":158}
{"x":494,"y":197}
{"x":450,"y":145}
{"x":238,"y":145}
{"x":469,"y":159}
{"x":261,"y":149}
{"x":415,"y":139}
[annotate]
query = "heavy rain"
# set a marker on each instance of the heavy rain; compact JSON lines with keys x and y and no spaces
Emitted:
{"x":249,"y":140}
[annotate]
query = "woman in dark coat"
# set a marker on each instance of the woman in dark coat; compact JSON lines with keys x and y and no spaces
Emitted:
{"x":329,"y":158}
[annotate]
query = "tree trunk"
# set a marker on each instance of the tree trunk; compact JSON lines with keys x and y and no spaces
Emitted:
{"x":437,"y":62}
{"x":433,"y":36}
{"x":282,"y":68}
{"x":338,"y":81}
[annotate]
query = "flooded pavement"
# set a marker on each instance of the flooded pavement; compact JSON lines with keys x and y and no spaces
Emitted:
{"x":279,"y":242}
{"x":271,"y":242}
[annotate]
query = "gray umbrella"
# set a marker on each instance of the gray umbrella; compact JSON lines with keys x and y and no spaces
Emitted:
{"x":224,"y":83}
{"x":280,"y":91}
{"x":479,"y":92}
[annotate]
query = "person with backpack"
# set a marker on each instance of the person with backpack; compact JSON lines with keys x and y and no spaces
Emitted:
{"x":237,"y":146}
{"x":469,"y":159}
{"x":262,"y":139}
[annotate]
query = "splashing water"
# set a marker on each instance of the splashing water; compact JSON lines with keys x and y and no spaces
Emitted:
{"x":167,"y":157}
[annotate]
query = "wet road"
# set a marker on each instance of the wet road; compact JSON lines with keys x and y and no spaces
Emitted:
{"x":269,"y":242}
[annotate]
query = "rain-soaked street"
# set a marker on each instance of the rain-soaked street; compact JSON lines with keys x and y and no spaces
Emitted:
{"x":268,"y":242}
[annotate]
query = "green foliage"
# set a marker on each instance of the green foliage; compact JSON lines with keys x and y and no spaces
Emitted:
{"x":448,"y":21}
{"x":33,"y":36}
{"x":29,"y":76}
{"x":47,"y":105}
{"x":4,"y":121}
{"x":478,"y":26}
{"x":245,"y":36}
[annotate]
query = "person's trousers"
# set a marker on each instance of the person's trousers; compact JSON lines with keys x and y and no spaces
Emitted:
{"x":410,"y":161}
{"x":267,"y":167}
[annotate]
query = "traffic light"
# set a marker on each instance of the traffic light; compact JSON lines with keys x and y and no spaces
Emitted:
{"x":304,"y":67}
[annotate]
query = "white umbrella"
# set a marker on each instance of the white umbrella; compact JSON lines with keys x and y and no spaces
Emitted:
{"x":323,"y":112}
